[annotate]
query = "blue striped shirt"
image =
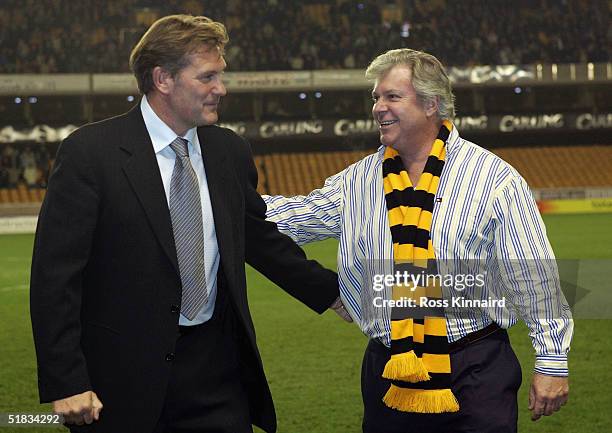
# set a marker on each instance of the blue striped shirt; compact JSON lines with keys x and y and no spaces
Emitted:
{"x":484,"y":213}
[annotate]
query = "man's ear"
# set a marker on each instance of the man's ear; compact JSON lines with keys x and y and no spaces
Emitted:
{"x":431,"y":106}
{"x":162,"y":80}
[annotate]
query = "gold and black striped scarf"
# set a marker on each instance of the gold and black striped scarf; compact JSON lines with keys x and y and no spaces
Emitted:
{"x":419,"y":367}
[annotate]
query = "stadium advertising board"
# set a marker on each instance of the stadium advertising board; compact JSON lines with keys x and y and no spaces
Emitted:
{"x":38,"y":134}
{"x":505,"y":124}
{"x":576,"y":206}
{"x":339,"y":79}
{"x":44,"y":84}
{"x":272,"y":81}
{"x":18,"y":224}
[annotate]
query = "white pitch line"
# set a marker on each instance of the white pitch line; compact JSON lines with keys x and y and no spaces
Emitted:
{"x":13,"y":288}
{"x":15,"y":259}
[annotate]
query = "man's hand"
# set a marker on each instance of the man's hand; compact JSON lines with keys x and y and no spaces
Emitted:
{"x":338,"y":307}
{"x":547,"y":394}
{"x":79,"y":409}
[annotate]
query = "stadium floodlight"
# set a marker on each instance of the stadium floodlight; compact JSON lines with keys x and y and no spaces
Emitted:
{"x":318,"y":95}
{"x":18,"y":100}
{"x":518,"y":90}
{"x":302,"y":95}
{"x":32,"y":99}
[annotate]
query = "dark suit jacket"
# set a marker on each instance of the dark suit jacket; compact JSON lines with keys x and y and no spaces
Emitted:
{"x":105,"y":288}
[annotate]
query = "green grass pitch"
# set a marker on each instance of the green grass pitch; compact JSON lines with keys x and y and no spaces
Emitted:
{"x":313,"y":363}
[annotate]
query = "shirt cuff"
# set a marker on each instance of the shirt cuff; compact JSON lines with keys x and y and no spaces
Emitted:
{"x":551,"y":365}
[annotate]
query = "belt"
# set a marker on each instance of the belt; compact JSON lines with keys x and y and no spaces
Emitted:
{"x":472,"y":337}
{"x":463,"y":342}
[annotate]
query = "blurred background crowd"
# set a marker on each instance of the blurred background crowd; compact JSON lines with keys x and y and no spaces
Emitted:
{"x":28,"y":165}
{"x":92,"y":36}
{"x":47,"y":36}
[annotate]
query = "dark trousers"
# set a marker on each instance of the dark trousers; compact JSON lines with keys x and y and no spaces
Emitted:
{"x":205,"y":394}
{"x":486,"y":376}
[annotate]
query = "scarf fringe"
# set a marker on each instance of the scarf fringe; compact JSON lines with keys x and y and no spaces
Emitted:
{"x":421,"y":401}
{"x":406,"y":367}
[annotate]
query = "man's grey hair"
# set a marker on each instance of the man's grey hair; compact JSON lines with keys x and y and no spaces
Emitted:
{"x":429,"y":77}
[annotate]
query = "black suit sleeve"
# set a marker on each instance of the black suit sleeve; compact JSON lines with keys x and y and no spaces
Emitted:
{"x":62,"y":246}
{"x":277,"y":256}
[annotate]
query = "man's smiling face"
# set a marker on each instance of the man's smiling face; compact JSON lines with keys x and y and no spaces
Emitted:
{"x":397,"y":109}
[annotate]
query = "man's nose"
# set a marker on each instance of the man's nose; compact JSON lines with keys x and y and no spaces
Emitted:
{"x":221,"y":90}
{"x":379,"y":106}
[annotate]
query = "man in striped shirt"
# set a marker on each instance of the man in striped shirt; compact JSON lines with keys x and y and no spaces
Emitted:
{"x":483,"y":213}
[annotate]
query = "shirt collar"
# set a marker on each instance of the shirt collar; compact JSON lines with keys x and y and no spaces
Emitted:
{"x":161,"y":134}
{"x":452,"y":142}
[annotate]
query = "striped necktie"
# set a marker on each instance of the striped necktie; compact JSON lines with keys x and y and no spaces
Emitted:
{"x":186,"y":215}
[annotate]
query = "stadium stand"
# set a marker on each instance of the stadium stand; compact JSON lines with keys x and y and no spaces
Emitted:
{"x":21,"y":194}
{"x":542,"y":167}
{"x":299,"y":173}
{"x":562,"y":166}
{"x":47,"y":36}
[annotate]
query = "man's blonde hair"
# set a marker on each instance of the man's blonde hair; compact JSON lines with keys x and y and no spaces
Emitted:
{"x":429,"y":77}
{"x":169,"y":42}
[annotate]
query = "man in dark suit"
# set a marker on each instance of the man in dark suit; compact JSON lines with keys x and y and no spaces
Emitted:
{"x":138,"y":292}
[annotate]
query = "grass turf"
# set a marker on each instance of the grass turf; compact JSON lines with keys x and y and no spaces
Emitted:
{"x":313,"y":363}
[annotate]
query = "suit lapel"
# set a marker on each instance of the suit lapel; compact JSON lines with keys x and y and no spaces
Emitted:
{"x":143,"y":174}
{"x":220,"y":188}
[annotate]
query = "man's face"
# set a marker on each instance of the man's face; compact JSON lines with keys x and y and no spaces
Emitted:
{"x":400,"y":115}
{"x":196,"y":90}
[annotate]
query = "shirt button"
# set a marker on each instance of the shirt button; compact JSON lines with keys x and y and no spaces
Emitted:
{"x":175,"y":309}
{"x":170,"y":357}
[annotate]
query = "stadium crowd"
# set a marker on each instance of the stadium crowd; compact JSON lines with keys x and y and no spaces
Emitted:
{"x":47,"y":36}
{"x":27,"y":165}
